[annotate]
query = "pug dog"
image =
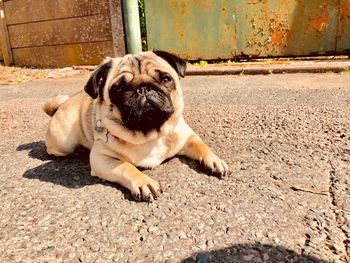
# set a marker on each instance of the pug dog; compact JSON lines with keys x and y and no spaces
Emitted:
{"x":129,"y":115}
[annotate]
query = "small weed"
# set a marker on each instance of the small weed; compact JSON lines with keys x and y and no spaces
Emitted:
{"x":21,"y":79}
{"x":14,"y":70}
{"x":141,"y":4}
{"x":269,"y":61}
{"x":201,"y":63}
{"x":345,"y":72}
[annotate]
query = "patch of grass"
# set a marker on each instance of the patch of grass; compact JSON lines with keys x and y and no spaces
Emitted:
{"x":345,"y":72}
{"x":14,"y":70}
{"x":221,"y":62}
{"x":142,"y":15}
{"x":21,"y":79}
{"x":201,"y":63}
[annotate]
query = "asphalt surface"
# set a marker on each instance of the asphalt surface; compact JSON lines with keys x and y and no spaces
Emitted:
{"x":285,"y":137}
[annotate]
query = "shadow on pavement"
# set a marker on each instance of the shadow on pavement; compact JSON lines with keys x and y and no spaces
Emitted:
{"x":252,"y":253}
{"x":72,"y":171}
{"x":194,"y":165}
{"x":198,"y":167}
{"x":37,"y":150}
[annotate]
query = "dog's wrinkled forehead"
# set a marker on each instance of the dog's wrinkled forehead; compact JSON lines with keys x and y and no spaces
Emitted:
{"x":143,"y":64}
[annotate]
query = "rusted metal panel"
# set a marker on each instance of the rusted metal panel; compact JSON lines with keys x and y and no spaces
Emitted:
{"x":256,"y":28}
{"x":343,"y":34}
{"x":63,"y":31}
{"x":286,"y":28}
{"x":63,"y":55}
{"x":24,"y":11}
{"x":193,"y":29}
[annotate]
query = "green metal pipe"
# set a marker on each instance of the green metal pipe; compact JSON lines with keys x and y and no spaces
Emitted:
{"x":132,"y":26}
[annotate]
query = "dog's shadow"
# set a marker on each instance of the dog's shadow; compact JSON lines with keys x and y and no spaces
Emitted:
{"x":72,"y":171}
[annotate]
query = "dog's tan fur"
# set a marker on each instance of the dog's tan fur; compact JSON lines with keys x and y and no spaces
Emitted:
{"x":115,"y":150}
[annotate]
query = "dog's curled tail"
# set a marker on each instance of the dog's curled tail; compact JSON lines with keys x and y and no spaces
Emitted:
{"x":52,"y":105}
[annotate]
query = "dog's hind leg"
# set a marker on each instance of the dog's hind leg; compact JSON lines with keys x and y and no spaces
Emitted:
{"x":57,"y":149}
{"x":60,"y":138}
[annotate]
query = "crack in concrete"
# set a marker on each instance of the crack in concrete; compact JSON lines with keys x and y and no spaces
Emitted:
{"x":337,"y":211}
{"x":332,"y":186}
{"x":306,"y":243}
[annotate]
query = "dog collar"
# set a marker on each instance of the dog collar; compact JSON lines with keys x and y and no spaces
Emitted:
{"x":99,"y":127}
{"x":109,"y":136}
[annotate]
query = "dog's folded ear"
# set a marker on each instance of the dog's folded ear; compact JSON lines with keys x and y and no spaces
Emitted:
{"x":177,"y":63}
{"x":94,"y":86}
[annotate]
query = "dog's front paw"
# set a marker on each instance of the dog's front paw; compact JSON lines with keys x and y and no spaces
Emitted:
{"x":145,"y":189}
{"x":217,"y":166}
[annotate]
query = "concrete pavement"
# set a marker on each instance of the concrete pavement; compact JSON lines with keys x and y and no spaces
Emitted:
{"x":285,"y":137}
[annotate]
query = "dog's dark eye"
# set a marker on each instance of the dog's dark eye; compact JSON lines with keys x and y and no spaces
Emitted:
{"x":116,"y":88}
{"x":165,"y":78}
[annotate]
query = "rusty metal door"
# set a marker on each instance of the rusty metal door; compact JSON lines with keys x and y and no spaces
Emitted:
{"x":211,"y":29}
{"x":343,"y":32}
{"x":193,"y":29}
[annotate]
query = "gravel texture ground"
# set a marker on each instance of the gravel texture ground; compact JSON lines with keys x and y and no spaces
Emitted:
{"x":19,"y":75}
{"x":285,"y":137}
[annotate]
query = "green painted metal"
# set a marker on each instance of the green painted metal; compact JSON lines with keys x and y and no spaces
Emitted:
{"x":343,"y":34}
{"x":132,"y":26}
{"x":192,"y":29}
{"x":208,"y":29}
{"x":286,"y":28}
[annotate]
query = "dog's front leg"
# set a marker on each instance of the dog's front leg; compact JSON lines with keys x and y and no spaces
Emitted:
{"x":141,"y":186}
{"x":196,"y":149}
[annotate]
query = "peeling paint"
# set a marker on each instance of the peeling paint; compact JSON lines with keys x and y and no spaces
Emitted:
{"x":344,"y":11}
{"x":322,"y":21}
{"x":183,"y":8}
{"x":343,"y":33}
{"x":211,"y":29}
{"x":279,"y":34}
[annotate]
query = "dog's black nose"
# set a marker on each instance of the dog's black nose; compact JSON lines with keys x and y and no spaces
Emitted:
{"x":143,"y":90}
{"x":142,"y":93}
